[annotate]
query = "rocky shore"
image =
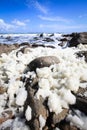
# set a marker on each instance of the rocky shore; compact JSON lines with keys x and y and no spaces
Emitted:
{"x":42,"y":86}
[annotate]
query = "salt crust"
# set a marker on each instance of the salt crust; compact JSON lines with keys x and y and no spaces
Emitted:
{"x":55,"y":82}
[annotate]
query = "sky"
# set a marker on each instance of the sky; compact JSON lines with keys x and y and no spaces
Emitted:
{"x":31,"y":16}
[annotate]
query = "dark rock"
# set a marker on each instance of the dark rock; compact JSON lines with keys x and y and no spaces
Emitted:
{"x":40,"y":62}
{"x":36,"y":38}
{"x":66,"y":126}
{"x":63,"y":40}
{"x":81,"y":54}
{"x":81,"y":100}
{"x":38,"y":108}
{"x":25,"y":44}
{"x":41,"y":35}
{"x":9,"y":38}
{"x":78,"y":38}
{"x":48,"y":39}
{"x":74,"y":41}
{"x":81,"y":104}
{"x":38,"y":45}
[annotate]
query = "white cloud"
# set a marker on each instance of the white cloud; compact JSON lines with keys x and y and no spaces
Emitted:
{"x":18,"y":23}
{"x":13,"y":26}
{"x":54,"y":19}
{"x":37,"y":5}
{"x":40,"y":7}
{"x":56,"y":27}
{"x":6,"y":26}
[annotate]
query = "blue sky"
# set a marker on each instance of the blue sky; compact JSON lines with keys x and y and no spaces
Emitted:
{"x":43,"y":16}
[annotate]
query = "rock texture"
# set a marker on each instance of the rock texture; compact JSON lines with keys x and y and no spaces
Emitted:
{"x":39,"y":106}
{"x":78,"y":38}
{"x":5,"y":115}
{"x":82,"y":54}
{"x":44,"y":61}
{"x":5,"y":48}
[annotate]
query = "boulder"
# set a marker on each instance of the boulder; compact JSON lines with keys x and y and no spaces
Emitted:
{"x":44,"y":61}
{"x":37,"y":106}
{"x":81,"y":100}
{"x":48,"y":39}
{"x":78,"y":38}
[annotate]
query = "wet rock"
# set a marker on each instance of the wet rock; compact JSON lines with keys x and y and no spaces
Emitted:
{"x":38,"y":45}
{"x":25,"y":44}
{"x":40,"y":62}
{"x":48,"y":39}
{"x":81,"y":54}
{"x":63,"y":40}
{"x":9,"y":38}
{"x":41,"y":35}
{"x":74,"y":41}
{"x":78,"y":38}
{"x":5,"y":115}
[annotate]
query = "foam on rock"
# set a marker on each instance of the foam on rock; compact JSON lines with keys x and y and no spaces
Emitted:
{"x":55,"y":81}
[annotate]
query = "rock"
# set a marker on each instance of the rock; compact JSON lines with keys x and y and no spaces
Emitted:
{"x":59,"y":117}
{"x":37,"y":106}
{"x":38,"y":45}
{"x":81,"y":54}
{"x":81,"y":104}
{"x":44,"y":61}
{"x":48,"y":39}
{"x":78,"y":38}
{"x":41,"y":35}
{"x":5,"y":115}
{"x":2,"y":90}
{"x":83,"y":38}
{"x":9,"y":38}
{"x":40,"y":106}
{"x":5,"y":48}
{"x":63,"y":40}
{"x":74,"y":41}
{"x":66,"y":126}
{"x":81,"y":100}
{"x":25,"y":44}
